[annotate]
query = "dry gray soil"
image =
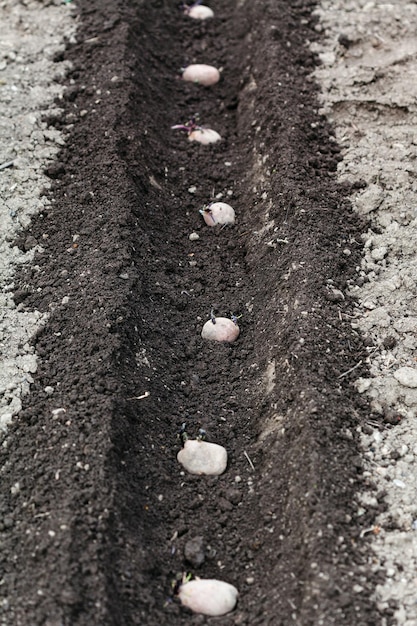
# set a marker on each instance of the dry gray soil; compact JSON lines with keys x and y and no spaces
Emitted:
{"x":369,"y":87}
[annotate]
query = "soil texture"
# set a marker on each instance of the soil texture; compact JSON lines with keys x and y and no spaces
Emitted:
{"x":368,"y":60}
{"x":97,"y":517}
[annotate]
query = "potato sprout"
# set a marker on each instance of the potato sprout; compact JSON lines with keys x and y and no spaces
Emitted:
{"x":218,"y":213}
{"x":201,"y":74}
{"x":198,"y":11}
{"x":198,"y":133}
{"x":221,"y":329}
{"x":208,"y":596}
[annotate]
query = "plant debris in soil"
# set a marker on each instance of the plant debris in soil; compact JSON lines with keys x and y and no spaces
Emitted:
{"x":103,"y":518}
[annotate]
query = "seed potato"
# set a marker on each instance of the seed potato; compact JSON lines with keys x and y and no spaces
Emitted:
{"x":201,"y":74}
{"x":218,"y":213}
{"x":220,"y":329}
{"x":204,"y":136}
{"x":203,"y":458}
{"x":208,"y":596}
{"x":199,"y":12}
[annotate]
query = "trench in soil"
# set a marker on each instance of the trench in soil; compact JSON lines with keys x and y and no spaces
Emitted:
{"x":102,"y":476}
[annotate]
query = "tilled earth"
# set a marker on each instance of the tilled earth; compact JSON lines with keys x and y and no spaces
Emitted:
{"x":95,"y":531}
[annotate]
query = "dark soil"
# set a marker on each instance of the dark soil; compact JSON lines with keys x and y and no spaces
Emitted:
{"x":96,"y":531}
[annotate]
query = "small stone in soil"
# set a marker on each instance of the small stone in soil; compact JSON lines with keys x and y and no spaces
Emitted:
{"x":194,"y":551}
{"x":406,"y":376}
{"x":389,"y":342}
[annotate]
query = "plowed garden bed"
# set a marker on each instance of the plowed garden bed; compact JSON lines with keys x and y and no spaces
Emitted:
{"x":103,"y":511}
